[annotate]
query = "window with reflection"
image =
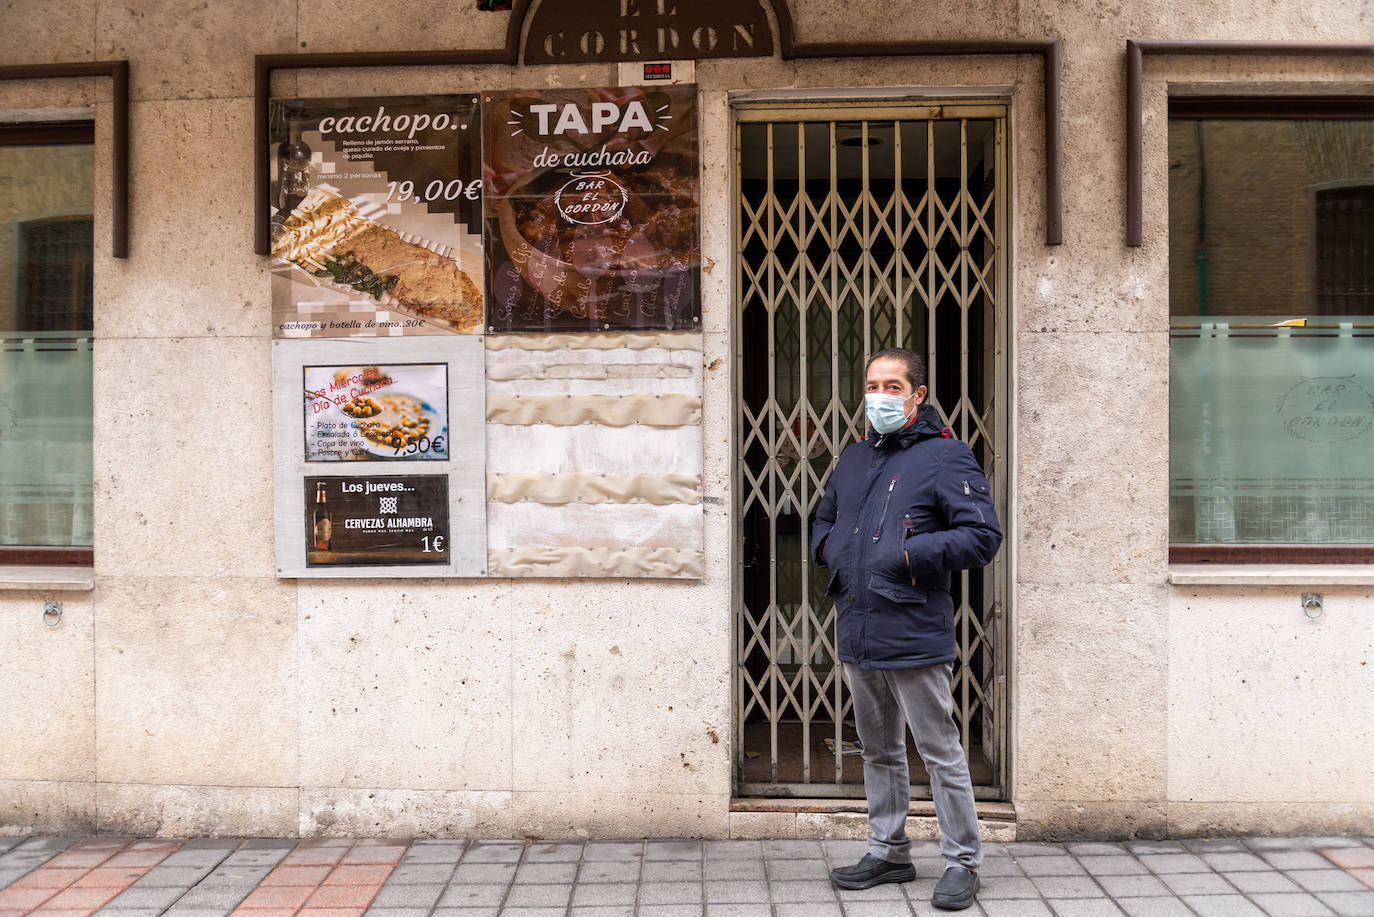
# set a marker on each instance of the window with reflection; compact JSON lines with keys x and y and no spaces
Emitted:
{"x":46,"y":195}
{"x":1271,"y":343}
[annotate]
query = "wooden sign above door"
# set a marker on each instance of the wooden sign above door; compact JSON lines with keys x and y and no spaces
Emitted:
{"x":631,"y":30}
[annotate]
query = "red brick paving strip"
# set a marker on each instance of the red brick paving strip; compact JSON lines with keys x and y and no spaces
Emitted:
{"x":1358,"y":861}
{"x":325,"y":878}
{"x":79,"y":881}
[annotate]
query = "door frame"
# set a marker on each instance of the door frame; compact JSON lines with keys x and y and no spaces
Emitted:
{"x":783,"y":105}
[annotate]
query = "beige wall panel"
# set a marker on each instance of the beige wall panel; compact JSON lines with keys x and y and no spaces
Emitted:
{"x":197,"y":681}
{"x":406,"y":685}
{"x":605,"y":525}
{"x":46,"y":807}
{"x":47,"y":704}
{"x":191,"y":270}
{"x":183,"y":446}
{"x":1214,"y":819}
{"x":203,"y":51}
{"x":48,"y":31}
{"x":873,"y":20}
{"x":1091,"y":24}
{"x":385,"y":812}
{"x":19,"y":98}
{"x":1058,"y":819}
{"x":144,"y":810}
{"x":335,"y":25}
{"x":1092,"y":458}
{"x":613,"y":450}
{"x":1266,"y":704}
{"x":411,"y":80}
{"x":609,"y":664}
{"x":1090,"y":693}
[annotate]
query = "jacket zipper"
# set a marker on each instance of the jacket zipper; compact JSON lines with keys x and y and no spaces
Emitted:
{"x":892,"y":485}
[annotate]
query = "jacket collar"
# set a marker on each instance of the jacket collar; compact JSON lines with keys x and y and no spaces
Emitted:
{"x":927,"y":425}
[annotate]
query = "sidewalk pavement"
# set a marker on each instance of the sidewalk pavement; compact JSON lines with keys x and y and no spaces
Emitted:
{"x":329,"y":877}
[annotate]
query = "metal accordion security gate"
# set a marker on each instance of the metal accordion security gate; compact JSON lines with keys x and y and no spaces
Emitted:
{"x":857,"y":226}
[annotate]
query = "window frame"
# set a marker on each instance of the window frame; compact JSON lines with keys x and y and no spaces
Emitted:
{"x":48,"y":133}
{"x":1275,"y":108}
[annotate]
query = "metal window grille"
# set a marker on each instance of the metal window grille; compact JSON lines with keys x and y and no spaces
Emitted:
{"x":855,"y":230}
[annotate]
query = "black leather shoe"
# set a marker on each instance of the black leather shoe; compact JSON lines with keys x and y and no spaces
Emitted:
{"x":871,"y":871}
{"x":956,"y":889}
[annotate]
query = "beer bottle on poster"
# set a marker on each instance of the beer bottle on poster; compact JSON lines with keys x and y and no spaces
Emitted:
{"x":293,"y":163}
{"x":323,"y":524}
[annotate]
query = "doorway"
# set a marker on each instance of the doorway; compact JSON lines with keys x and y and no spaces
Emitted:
{"x":857,"y":227}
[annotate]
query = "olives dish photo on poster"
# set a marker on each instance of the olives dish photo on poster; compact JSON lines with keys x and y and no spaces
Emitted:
{"x":376,"y":216}
{"x":592,"y":209}
{"x":397,"y":412}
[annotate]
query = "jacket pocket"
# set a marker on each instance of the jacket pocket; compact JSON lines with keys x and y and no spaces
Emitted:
{"x":834,"y":588}
{"x":904,"y":593}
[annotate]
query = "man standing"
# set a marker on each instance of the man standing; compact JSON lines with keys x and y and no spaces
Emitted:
{"x":902,"y":510}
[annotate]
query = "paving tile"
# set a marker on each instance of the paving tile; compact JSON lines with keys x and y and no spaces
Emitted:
{"x":108,"y":912}
{"x":1299,"y":905}
{"x":613,"y":850}
{"x":1132,"y":886}
{"x":358,"y":874}
{"x":1154,"y":907}
{"x":277,"y":896}
{"x":1275,"y":843}
{"x":671,"y":870}
{"x":82,"y":898}
{"x":213,"y":896}
{"x":1215,"y":845}
{"x":166,"y":876}
{"x":375,"y":911}
{"x":330,"y":912}
{"x":876,"y":908}
{"x":1084,"y":907}
{"x":661,"y":910}
{"x":314,"y":856}
{"x":1222,"y":906}
{"x":841,"y":852}
{"x":432,"y":855}
{"x":539,"y":896}
{"x":1014,"y":908}
{"x":1067,"y":887}
{"x":1349,"y":904}
{"x":177,"y":910}
{"x":196,"y":856}
{"x":991,"y":887}
{"x":788,"y":891}
{"x":1364,"y":875}
{"x":9,"y":875}
{"x":85,"y":858}
{"x":999,"y":866}
{"x":797,"y":869}
{"x":795,"y":909}
{"x":673,"y":850}
{"x":1115,"y":865}
{"x":548,"y":873}
{"x":24,"y":899}
{"x":610,"y":911}
{"x":297,"y":875}
{"x":149,"y":896}
{"x":50,"y":877}
{"x":1091,"y":848}
{"x":226,"y":844}
{"x":1173,"y":862}
{"x":1296,"y":859}
{"x":736,"y":891}
{"x":1252,"y":882}
{"x":1337,"y":841}
{"x":269,"y":843}
{"x":473,"y":895}
{"x":1234,"y":862}
{"x":791,"y":848}
{"x":494,"y":852}
{"x":408,"y":896}
{"x":736,"y":910}
{"x":1197,"y":883}
{"x":1350,"y":857}
{"x":670,"y":893}
{"x":482,"y":873}
{"x":128,"y":857}
{"x":429,"y":873}
{"x":374,"y":854}
{"x":890,"y":891}
{"x":1034,"y":848}
{"x":236,"y":875}
{"x":733,"y":850}
{"x":7,"y":842}
{"x":553,"y":852}
{"x":604,"y":894}
{"x":739,"y":869}
{"x":1050,"y":866}
{"x":466,"y":912}
{"x":1325,"y":880}
{"x":346,"y":896}
{"x":609,"y":871}
{"x":266,"y":912}
{"x":1144,"y":847}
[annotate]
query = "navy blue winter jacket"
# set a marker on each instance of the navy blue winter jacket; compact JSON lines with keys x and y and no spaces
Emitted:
{"x":915,"y":489}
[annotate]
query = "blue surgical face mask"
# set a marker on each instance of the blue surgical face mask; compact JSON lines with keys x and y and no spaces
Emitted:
{"x":886,"y":412}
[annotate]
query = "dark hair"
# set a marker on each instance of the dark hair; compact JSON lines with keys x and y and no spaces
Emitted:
{"x":915,"y":364}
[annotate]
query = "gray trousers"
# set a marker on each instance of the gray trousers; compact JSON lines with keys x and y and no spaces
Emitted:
{"x":886,"y":701}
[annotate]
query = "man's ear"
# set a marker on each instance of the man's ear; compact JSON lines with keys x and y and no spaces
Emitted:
{"x":920,"y":394}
